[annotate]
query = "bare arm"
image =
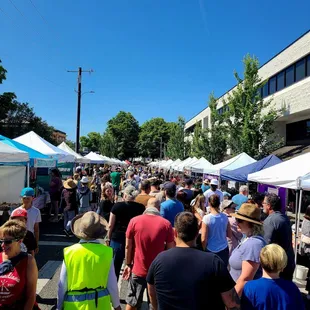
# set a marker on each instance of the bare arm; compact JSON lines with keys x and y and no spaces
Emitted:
{"x":228,"y":232}
{"x":31,"y":283}
{"x":152,"y":294}
{"x":249,"y":269}
{"x":111,"y":225}
{"x":204,"y":235}
{"x":231,"y":299}
{"x":129,"y":252}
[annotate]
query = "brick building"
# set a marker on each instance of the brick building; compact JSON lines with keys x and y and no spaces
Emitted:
{"x":59,"y":136}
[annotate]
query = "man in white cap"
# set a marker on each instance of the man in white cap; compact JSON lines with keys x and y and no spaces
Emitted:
{"x":214,"y":190}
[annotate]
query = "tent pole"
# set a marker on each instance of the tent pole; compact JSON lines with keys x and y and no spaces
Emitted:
{"x":28,"y":174}
{"x":297,"y":223}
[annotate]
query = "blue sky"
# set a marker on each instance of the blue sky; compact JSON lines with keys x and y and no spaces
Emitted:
{"x":153,"y":58}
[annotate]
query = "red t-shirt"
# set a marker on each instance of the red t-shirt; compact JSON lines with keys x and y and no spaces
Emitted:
{"x":149,"y":234}
{"x":13,"y":284}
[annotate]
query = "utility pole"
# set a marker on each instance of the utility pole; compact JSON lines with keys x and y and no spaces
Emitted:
{"x":78,"y":115}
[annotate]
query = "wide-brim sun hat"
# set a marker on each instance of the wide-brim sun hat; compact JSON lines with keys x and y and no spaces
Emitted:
{"x":89,"y":226}
{"x":248,"y":212}
{"x":84,"y":180}
{"x":69,"y":184}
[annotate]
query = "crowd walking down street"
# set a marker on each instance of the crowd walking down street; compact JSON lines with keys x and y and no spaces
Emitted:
{"x":152,"y":240}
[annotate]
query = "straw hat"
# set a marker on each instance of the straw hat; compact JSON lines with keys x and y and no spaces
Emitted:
{"x":89,"y":226}
{"x":249,"y":213}
{"x":69,"y":184}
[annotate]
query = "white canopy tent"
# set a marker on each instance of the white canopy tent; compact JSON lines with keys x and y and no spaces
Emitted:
{"x":39,"y":144}
{"x":294,"y":174}
{"x":78,"y":158}
{"x":236,"y":162}
{"x":184,"y":163}
{"x":200,"y":165}
{"x":94,"y":158}
{"x":167,"y":164}
{"x":12,"y":174}
{"x":175,"y":163}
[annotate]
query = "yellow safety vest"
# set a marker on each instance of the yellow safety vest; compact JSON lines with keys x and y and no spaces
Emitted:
{"x":88,"y":266}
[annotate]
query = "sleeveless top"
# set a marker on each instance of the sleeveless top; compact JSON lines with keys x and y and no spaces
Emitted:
{"x":12,"y":285}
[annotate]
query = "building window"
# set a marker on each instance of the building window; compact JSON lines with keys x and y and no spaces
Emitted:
{"x":265,"y":90}
{"x":272,"y":85}
{"x":289,"y":76}
{"x":298,"y":131}
{"x":308,"y":65}
{"x":220,"y":111}
{"x":280,"y":81}
{"x":300,"y":70}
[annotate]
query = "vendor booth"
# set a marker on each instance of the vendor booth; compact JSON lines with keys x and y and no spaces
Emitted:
{"x":78,"y":158}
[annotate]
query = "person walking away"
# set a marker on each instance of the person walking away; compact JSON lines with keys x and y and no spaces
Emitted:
{"x":33,"y":214}
{"x":69,"y":204}
{"x":142,"y":246}
{"x":120,"y":216}
{"x":244,"y":260}
{"x":84,"y":196}
{"x":228,"y":208}
{"x":173,"y":285}
{"x":205,"y":185}
{"x":155,"y":189}
{"x":87,"y":278}
{"x":171,"y":207}
{"x":198,"y":210}
{"x":277,"y":229}
{"x":144,"y":196}
{"x":214,"y":190}
{"x":215,"y":230}
{"x":29,"y":243}
{"x":130,"y":181}
{"x":242,"y":197}
{"x":18,"y":272}
{"x":271,"y":292}
{"x":55,"y":191}
{"x":107,"y":201}
{"x":188,"y":190}
{"x":116,"y":181}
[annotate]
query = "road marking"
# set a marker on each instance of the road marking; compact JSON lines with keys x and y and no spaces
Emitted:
{"x":56,"y":243}
{"x":46,"y":273}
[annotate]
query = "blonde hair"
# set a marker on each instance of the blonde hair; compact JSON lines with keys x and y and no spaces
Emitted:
{"x":14,"y":228}
{"x":273,"y":258}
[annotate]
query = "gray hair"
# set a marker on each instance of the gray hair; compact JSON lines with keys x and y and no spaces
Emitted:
{"x":243,"y":188}
{"x":130,"y":193}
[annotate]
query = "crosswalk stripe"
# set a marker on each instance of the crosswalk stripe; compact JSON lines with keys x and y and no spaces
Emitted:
{"x":56,"y":243}
{"x":46,"y":273}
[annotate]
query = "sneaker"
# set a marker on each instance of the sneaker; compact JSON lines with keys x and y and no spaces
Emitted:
{"x":66,"y":233}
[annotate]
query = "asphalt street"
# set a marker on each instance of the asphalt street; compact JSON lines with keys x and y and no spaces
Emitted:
{"x":49,"y":260}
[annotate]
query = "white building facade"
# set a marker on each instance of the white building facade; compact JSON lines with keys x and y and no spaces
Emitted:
{"x":288,"y":75}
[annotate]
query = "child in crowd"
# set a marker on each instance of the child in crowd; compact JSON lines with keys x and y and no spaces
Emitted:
{"x":271,"y":292}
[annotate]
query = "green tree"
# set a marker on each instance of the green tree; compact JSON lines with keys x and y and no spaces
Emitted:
{"x":92,"y":141}
{"x":2,"y":73}
{"x":108,"y":145}
{"x":177,"y":147}
{"x":152,"y":133}
{"x":125,"y":130}
{"x":71,"y":144}
{"x":250,"y":119}
{"x":200,"y":142}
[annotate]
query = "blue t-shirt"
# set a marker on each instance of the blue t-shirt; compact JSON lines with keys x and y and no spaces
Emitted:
{"x":248,"y":250}
{"x":217,"y":231}
{"x":239,"y":199}
{"x":204,"y":187}
{"x":170,"y":208}
{"x":271,"y":294}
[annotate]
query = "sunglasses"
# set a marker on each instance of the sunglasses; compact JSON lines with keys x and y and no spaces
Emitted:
{"x":8,"y":241}
{"x":239,"y":221}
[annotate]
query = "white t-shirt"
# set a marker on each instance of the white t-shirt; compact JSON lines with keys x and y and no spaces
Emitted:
{"x":209,"y":193}
{"x":34,"y":216}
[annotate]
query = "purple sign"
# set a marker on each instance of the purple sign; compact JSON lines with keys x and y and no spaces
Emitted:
{"x":280,"y":191}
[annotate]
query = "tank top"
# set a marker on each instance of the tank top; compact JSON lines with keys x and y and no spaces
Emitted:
{"x":12,"y":285}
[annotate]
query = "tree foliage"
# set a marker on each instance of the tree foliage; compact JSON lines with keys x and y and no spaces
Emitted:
{"x":200,"y":142}
{"x":108,"y":145}
{"x":125,"y":130}
{"x":152,"y":133}
{"x":177,"y":147}
{"x":71,"y":144}
{"x":250,"y":119}
{"x":92,"y":141}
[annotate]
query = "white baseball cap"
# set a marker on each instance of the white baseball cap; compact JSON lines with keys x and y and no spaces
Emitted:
{"x":214,"y":182}
{"x":85,"y":180}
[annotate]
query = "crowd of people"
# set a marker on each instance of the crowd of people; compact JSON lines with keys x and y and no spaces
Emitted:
{"x":187,"y":243}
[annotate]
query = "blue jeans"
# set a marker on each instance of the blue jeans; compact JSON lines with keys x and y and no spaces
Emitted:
{"x":118,"y":255}
{"x":68,"y":217}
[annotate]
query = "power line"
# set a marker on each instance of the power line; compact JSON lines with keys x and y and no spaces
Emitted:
{"x":39,"y":13}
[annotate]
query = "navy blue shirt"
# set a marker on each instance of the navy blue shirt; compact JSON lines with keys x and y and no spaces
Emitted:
{"x":170,"y":208}
{"x":271,"y":294}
